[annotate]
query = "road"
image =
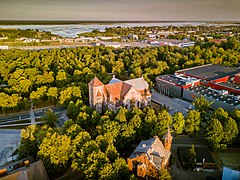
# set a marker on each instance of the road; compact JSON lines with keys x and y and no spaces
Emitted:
{"x":174,"y":105}
{"x":26,"y":118}
{"x":122,"y":44}
{"x":10,"y":139}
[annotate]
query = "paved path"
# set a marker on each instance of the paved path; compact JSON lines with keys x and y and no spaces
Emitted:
{"x":173,"y":105}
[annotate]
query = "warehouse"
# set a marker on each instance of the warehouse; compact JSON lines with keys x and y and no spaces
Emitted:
{"x":216,"y":83}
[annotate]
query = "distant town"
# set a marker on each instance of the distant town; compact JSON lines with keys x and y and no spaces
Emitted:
{"x":156,"y":102}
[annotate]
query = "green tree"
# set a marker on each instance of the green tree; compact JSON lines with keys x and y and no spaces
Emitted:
{"x":178,"y":122}
{"x":215,"y":134}
{"x":50,"y":118}
{"x":191,"y":158}
{"x":164,"y":175}
{"x":72,"y":110}
{"x":220,"y":114}
{"x":56,"y":147}
{"x":52,"y":94}
{"x":230,"y":129}
{"x":192,"y":122}
{"x":202,"y":105}
{"x":29,"y":143}
{"x":164,"y":120}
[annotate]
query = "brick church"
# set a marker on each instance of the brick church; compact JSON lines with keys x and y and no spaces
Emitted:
{"x":151,"y":156}
{"x":117,"y":93}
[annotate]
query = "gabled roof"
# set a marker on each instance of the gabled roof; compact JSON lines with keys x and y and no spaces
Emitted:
{"x":154,"y":151}
{"x":114,"y":80}
{"x":114,"y":90}
{"x":138,"y":83}
{"x":95,"y":82}
{"x":117,"y":90}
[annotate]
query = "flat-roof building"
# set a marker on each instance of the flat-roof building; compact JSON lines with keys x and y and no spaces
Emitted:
{"x":216,"y":83}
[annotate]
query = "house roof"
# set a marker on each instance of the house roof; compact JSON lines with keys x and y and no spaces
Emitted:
{"x":117,"y":90}
{"x":154,"y":151}
{"x":138,"y":83}
{"x":34,"y":171}
{"x":95,"y":82}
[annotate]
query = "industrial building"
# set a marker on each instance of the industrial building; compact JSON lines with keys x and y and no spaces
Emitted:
{"x":216,"y":83}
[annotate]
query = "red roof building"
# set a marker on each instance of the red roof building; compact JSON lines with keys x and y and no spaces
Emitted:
{"x":130,"y":93}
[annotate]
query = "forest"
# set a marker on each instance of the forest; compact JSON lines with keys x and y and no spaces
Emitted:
{"x":96,"y":145}
{"x":61,"y":75}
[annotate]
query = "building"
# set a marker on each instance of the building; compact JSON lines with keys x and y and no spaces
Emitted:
{"x":117,"y":93}
{"x":4,"y":47}
{"x":112,"y":44}
{"x":150,"y":156}
{"x":230,"y":174}
{"x":216,"y":83}
{"x":26,"y":170}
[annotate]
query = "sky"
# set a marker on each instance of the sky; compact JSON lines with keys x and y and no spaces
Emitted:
{"x":151,"y":10}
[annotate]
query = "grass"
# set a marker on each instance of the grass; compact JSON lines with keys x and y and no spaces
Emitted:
{"x":228,"y":159}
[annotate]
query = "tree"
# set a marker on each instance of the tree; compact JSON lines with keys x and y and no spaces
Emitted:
{"x":164,"y":175}
{"x":220,"y":114}
{"x":230,"y":129}
{"x":178,"y":122}
{"x":54,"y":151}
{"x":56,"y":147}
{"x":202,"y":105}
{"x":70,"y":94}
{"x":72,"y":110}
{"x":50,"y":118}
{"x":164,"y":120}
{"x":191,"y":158}
{"x":29,"y":143}
{"x":192,"y":121}
{"x":215,"y":134}
{"x":52,"y":94}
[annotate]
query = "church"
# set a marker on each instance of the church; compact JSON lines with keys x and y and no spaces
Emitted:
{"x":117,"y":93}
{"x":151,"y":156}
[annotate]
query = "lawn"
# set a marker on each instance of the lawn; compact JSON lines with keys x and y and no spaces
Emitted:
{"x":228,"y":159}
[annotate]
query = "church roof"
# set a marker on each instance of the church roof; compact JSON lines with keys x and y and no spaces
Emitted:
{"x":95,"y":82}
{"x":154,"y":151}
{"x":114,"y":80}
{"x":168,"y":136}
{"x":138,"y":83}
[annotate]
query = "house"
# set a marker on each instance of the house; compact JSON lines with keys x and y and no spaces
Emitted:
{"x":150,"y":156}
{"x":117,"y":93}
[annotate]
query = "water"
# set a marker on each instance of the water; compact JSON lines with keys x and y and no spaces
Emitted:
{"x":72,"y":30}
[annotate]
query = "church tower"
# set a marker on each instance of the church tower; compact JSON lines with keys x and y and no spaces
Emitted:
{"x":96,"y":94}
{"x":168,"y":140}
